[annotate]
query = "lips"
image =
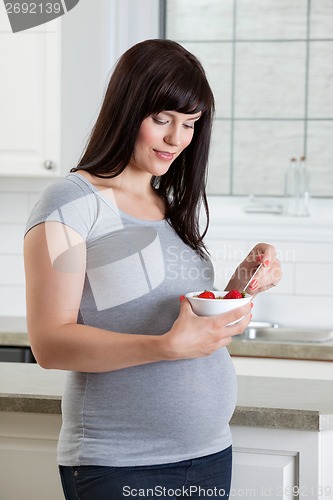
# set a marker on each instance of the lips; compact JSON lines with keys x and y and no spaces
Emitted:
{"x":164,"y":155}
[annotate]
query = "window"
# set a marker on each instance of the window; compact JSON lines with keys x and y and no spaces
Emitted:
{"x":269,"y":63}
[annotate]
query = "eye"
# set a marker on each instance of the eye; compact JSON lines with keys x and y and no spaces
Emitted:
{"x":159,"y":121}
{"x":186,"y":125}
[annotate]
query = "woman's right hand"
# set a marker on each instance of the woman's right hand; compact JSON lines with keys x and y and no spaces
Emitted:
{"x":193,"y":336}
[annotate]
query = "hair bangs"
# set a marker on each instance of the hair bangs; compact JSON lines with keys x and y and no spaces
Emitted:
{"x":187,"y":93}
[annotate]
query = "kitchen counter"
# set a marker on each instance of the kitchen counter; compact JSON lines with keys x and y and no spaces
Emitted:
{"x":262,"y":401}
{"x":13,"y":332}
{"x":314,"y":351}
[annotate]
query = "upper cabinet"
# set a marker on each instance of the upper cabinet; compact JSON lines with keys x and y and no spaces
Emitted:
{"x":30,"y":100}
{"x":53,"y":78}
{"x":52,"y":82}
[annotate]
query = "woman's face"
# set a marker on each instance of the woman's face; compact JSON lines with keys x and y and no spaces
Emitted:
{"x":161,"y":139}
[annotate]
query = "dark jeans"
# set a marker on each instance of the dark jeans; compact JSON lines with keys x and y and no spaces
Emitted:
{"x":205,"y":477}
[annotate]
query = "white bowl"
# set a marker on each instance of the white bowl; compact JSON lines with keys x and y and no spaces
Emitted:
{"x":211,"y":307}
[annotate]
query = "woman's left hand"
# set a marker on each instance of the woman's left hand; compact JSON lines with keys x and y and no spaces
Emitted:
{"x":268,"y":275}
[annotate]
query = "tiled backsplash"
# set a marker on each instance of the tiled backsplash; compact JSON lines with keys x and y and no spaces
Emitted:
{"x":17,"y":197}
{"x":269,"y":65}
{"x":305,"y":247}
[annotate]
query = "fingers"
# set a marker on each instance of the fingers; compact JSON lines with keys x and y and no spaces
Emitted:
{"x":270,"y":273}
{"x":195,"y":336}
{"x":185,"y":305}
{"x":231,"y":331}
{"x":266,"y":253}
{"x":231,"y":322}
{"x":239,"y":327}
{"x":236,"y":314}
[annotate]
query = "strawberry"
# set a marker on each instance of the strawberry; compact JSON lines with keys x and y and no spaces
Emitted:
{"x":234,"y":294}
{"x":206,"y":295}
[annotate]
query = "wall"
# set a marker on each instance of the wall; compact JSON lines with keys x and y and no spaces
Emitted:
{"x":17,"y":197}
{"x":304,"y":297}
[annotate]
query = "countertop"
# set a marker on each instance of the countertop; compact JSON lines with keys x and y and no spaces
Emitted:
{"x":320,"y":351}
{"x":13,"y":332}
{"x":262,"y":401}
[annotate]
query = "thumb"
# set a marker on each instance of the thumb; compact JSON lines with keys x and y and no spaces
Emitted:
{"x":185,"y":305}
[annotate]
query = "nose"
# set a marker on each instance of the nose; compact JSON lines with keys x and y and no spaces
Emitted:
{"x":173,"y":139}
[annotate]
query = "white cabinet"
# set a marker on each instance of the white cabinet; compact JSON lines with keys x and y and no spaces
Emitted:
{"x":52,"y":81}
{"x":28,"y":467}
{"x":53,"y":78}
{"x":264,"y":473}
{"x":30,"y":100}
{"x":282,"y":464}
{"x":267,"y":463}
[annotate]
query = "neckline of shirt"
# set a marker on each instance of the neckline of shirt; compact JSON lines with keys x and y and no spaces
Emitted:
{"x":121,"y":213}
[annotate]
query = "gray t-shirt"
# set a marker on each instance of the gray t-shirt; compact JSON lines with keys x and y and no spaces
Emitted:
{"x":156,"y":413}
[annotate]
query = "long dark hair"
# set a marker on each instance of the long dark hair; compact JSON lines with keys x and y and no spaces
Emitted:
{"x":154,"y":76}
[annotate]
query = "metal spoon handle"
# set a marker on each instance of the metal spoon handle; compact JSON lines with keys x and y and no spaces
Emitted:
{"x":255,"y":272}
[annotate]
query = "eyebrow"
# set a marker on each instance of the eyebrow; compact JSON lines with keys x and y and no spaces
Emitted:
{"x":170,"y":113}
{"x":196,"y":118}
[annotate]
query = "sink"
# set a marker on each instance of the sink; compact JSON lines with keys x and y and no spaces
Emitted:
{"x":275,"y":333}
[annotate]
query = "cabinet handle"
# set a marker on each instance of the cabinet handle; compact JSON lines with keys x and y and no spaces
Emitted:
{"x":49,"y":164}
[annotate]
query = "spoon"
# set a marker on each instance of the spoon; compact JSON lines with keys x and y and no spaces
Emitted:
{"x":255,"y":272}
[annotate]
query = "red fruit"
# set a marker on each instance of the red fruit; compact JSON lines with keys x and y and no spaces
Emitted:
{"x":206,"y":295}
{"x":234,"y":294}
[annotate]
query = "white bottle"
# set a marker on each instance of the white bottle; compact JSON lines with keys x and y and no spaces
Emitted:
{"x":303,"y":208}
{"x":291,"y":188}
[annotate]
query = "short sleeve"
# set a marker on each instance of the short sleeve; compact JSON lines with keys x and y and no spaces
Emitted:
{"x":66,"y":202}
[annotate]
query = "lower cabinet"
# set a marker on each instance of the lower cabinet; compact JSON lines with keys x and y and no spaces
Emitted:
{"x":259,"y":473}
{"x":268,"y":463}
{"x":28,"y":468}
{"x":283,"y":464}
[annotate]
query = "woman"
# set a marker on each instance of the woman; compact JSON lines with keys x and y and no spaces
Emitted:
{"x":108,"y":251}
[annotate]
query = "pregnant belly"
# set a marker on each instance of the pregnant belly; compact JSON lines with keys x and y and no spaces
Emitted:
{"x":183,"y":400}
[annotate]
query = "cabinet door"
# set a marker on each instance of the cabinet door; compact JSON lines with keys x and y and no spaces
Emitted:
{"x":28,"y":466}
{"x":282,"y":463}
{"x":30,"y":103}
{"x":261,"y":473}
